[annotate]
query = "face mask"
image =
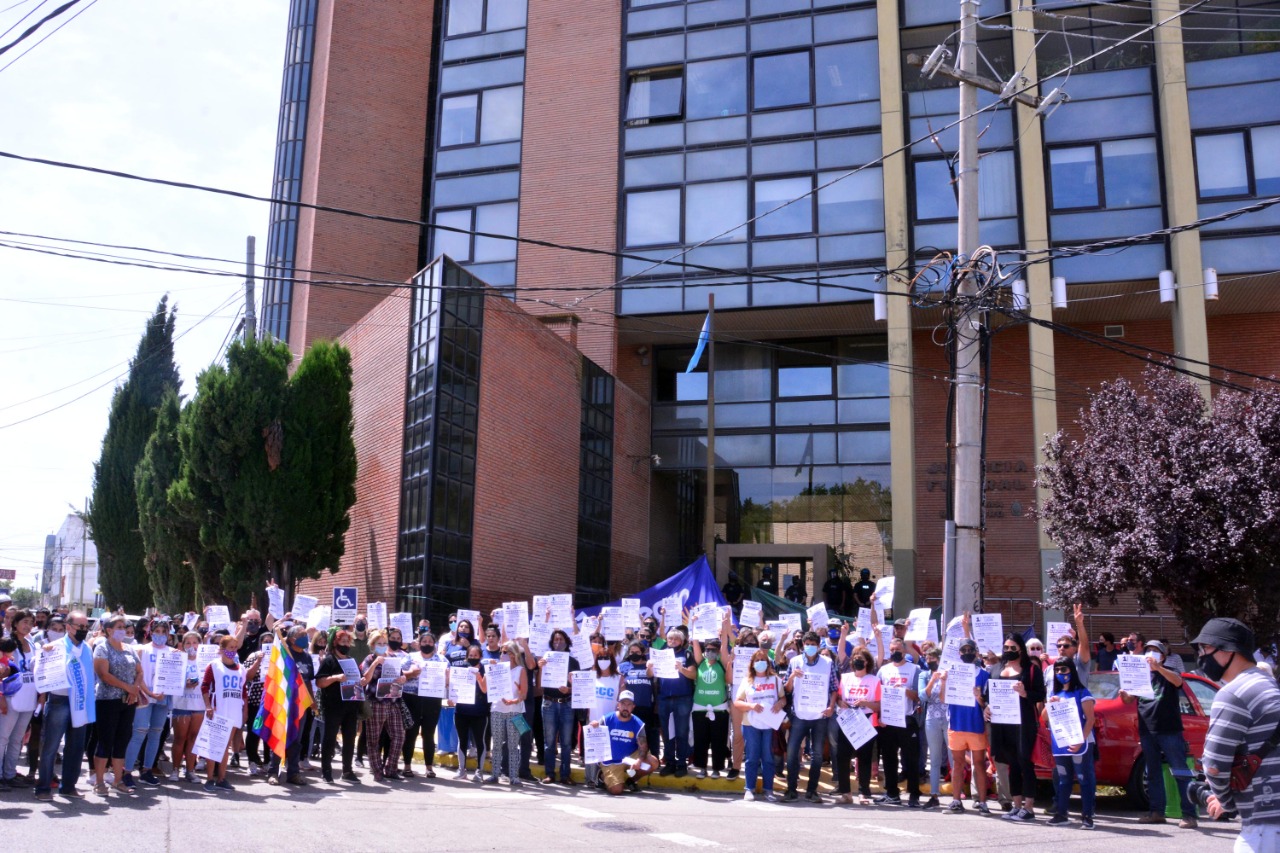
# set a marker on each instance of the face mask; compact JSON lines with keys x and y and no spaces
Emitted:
{"x":760,"y":666}
{"x":810,"y":651}
{"x":81,"y":633}
{"x":1064,"y":678}
{"x":394,"y":644}
{"x":636,"y":658}
{"x":426,"y":650}
{"x":464,"y":635}
{"x":1155,"y":656}
{"x":933,"y":666}
{"x":229,"y":654}
{"x":896,"y":657}
{"x":252,"y":626}
{"x":379,"y":650}
{"x":453,"y":625}
{"x":712,"y":656}
{"x":1212,"y":668}
{"x":160,"y":639}
{"x":833,"y":634}
{"x":605,"y":663}
{"x":342,"y":650}
{"x":1009,"y":655}
{"x":859,"y":664}
{"x":968,"y":657}
{"x":55,"y":636}
{"x":118,"y":636}
{"x":473,"y":662}
{"x":191,"y":652}
{"x":360,"y":626}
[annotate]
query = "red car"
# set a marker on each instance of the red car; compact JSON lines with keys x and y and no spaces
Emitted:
{"x":1120,"y":761}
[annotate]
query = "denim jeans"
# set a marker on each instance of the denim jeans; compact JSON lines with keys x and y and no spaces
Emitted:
{"x":13,"y":726}
{"x":817,"y":730}
{"x":1066,"y":770}
{"x":57,"y":724}
{"x":557,"y":722}
{"x":148,"y":722}
{"x":1169,"y":748}
{"x":758,"y":744}
{"x":935,"y":731}
{"x":1258,"y":838}
{"x":677,"y":710}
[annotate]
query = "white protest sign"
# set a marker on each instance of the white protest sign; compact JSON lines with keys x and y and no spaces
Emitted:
{"x":818,"y":617}
{"x":169,"y":673}
{"x":472,"y":616}
{"x":812,"y":694}
{"x":705,"y":622}
{"x":631,"y":613}
{"x":856,"y":726}
{"x":611,"y":624}
{"x":539,"y":638}
{"x":950,"y":653}
{"x":51,"y":669}
{"x":562,"y":611}
{"x":752,"y":615}
{"x":1064,"y":720}
{"x":215,"y":734}
{"x":205,"y":655}
{"x":498,"y":676}
{"x":302,"y":607}
{"x":584,"y":688}
{"x":275,"y":602}
{"x":932,"y":634}
{"x":377,"y":613}
{"x":515,"y":619}
{"x":350,"y":668}
{"x":1135,"y":675}
{"x":779,"y":629}
{"x":541,"y":612}
{"x":918,"y":625}
{"x":319,"y":617}
{"x":218,"y":617}
{"x":556,"y":673}
{"x":988,"y":631}
{"x":462,"y":685}
{"x":741,"y":662}
{"x":664,"y":663}
{"x":431,"y":680}
{"x":671,"y":609}
{"x":1057,"y":630}
{"x":793,"y":620}
{"x":863,"y":626}
{"x":883,"y":596}
{"x":893,"y":706}
{"x":955,"y":628}
{"x":402,"y":621}
{"x":595,"y":745}
{"x":1004,"y":702}
{"x":960,"y":683}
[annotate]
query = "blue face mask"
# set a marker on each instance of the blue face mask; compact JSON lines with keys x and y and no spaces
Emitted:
{"x":453,"y":626}
{"x":761,"y":666}
{"x":833,"y":633}
{"x":1063,"y":678}
{"x":810,"y":651}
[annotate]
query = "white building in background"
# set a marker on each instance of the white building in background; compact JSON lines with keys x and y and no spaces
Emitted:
{"x":75,"y":565}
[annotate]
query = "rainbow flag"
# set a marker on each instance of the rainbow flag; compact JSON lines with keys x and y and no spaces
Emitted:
{"x":285,"y":701}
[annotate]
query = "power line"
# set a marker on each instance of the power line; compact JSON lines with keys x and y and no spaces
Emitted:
{"x":31,"y":30}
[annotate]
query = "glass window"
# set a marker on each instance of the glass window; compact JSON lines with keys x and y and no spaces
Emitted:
{"x":1073,"y":173}
{"x":847,"y":72}
{"x":795,"y":218}
{"x":1130,"y":172}
{"x":458,"y":120}
{"x":653,"y":218}
{"x":502,"y":114}
{"x":717,"y":88}
{"x":496,"y":219}
{"x":712,"y":209}
{"x":935,"y":194}
{"x":805,"y":370}
{"x":997,"y":186}
{"x":655,"y":94}
{"x":452,"y":243}
{"x":853,"y":203}
{"x":781,"y":80}
{"x":805,"y":448}
{"x":871,"y":446}
{"x":465,"y":16}
{"x":506,"y":15}
{"x":1221,"y":166}
{"x":1266,"y":160}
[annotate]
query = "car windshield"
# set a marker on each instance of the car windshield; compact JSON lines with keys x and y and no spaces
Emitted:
{"x":1104,"y":685}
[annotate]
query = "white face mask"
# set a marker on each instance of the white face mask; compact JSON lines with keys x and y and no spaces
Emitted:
{"x":160,"y":639}
{"x":1155,"y":656}
{"x":118,"y":636}
{"x":54,"y":636}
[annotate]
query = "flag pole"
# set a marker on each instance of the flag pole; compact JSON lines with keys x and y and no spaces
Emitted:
{"x":709,"y":521}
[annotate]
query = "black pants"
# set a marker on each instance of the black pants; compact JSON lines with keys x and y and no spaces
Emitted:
{"x":292,"y":752}
{"x":713,"y":734}
{"x":895,"y":741}
{"x":425,"y":711}
{"x":844,"y":753}
{"x":473,"y":731}
{"x":1015,"y":746}
{"x":339,"y":718}
{"x":252,"y":740}
{"x":533,"y":714}
{"x":649,"y":716}
{"x":115,"y":727}
{"x":33,"y":744}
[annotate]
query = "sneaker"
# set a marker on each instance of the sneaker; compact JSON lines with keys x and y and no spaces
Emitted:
{"x":201,"y":765}
{"x":188,"y":777}
{"x":149,"y":779}
{"x":749,"y":796}
{"x":1023,"y":815}
{"x":956,"y":807}
{"x":173,"y":775}
{"x":732,"y":774}
{"x":666,"y":770}
{"x":1058,"y":820}
{"x":44,"y":796}
{"x":714,"y":774}
{"x":813,"y":797}
{"x":304,"y":764}
{"x":1086,"y":822}
{"x":681,"y":772}
{"x":360,"y":761}
{"x":255,"y":769}
{"x":984,"y":809}
{"x":17,"y":782}
{"x":931,"y":803}
{"x":461,"y":773}
{"x":1007,"y":805}
{"x":913,"y":803}
{"x":235,"y":761}
{"x":517,"y":782}
{"x":224,"y":785}
{"x":128,"y":781}
{"x":699,"y":773}
{"x":350,"y":776}
{"x":326,"y":776}
{"x":789,"y":797}
{"x":1151,"y":817}
{"x":489,"y":780}
{"x":210,"y":787}
{"x":1188,"y":823}
{"x":886,"y":800}
{"x":771,"y":797}
{"x":479,"y":777}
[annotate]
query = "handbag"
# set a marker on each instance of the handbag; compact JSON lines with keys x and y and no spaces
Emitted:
{"x":1244,"y":766}
{"x":522,"y":725}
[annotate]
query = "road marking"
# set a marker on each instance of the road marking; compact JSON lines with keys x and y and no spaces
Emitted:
{"x":484,"y":795}
{"x":885,"y":830}
{"x":683,"y":839}
{"x":579,"y":811}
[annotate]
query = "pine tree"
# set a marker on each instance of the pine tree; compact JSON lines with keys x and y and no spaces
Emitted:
{"x":171,"y":543}
{"x":113,"y":511}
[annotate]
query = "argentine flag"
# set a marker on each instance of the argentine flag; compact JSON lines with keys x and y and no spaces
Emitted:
{"x":703,"y":337}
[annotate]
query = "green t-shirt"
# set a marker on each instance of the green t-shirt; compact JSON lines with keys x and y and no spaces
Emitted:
{"x":658,"y":643}
{"x":709,"y":687}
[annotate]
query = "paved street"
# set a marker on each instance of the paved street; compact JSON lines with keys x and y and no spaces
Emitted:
{"x":463,"y":816}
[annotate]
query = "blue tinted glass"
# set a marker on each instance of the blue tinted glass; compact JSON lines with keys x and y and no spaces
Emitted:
{"x":653,"y":96}
{"x":1266,"y":159}
{"x":458,"y":120}
{"x":1131,"y":172}
{"x":935,"y":196}
{"x":717,"y":88}
{"x":1073,"y":173}
{"x":1220,"y":165}
{"x":864,"y":447}
{"x":781,"y":80}
{"x":794,"y":218}
{"x":805,"y":448}
{"x":653,"y":218}
{"x":804,"y":381}
{"x":853,"y":203}
{"x":847,"y":72}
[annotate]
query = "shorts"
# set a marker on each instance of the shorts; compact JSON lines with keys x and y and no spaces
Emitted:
{"x":178,"y":712}
{"x":965,"y":741}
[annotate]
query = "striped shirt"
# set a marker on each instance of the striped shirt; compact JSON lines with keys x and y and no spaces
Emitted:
{"x":1245,"y":715}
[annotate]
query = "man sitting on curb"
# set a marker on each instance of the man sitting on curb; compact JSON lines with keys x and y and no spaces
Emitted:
{"x":629,"y":759}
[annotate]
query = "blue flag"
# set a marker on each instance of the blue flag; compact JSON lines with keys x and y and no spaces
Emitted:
{"x":703,"y":337}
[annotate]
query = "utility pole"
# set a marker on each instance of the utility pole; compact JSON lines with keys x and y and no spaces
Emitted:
{"x":709,"y":516}
{"x":250,"y":319}
{"x":968,"y":434}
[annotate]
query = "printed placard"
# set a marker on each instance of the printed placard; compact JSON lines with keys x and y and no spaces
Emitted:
{"x":631,"y":613}
{"x":664,"y":663}
{"x":432,"y":681}
{"x":856,"y":726}
{"x":1064,"y":720}
{"x":595,"y":745}
{"x":752,"y":615}
{"x":515,"y":619}
{"x":377,"y":613}
{"x":1004,"y":702}
{"x":611,"y":624}
{"x":51,"y":669}
{"x":988,"y":631}
{"x":1135,"y":675}
{"x":472,"y":616}
{"x":302,"y":606}
{"x":497,"y":676}
{"x":275,"y":602}
{"x":1057,"y":630}
{"x":818,"y":617}
{"x":403,"y":622}
{"x":169,"y":673}
{"x":893,"y":706}
{"x":960,"y":682}
{"x":215,"y":734}
{"x":556,"y":673}
{"x":918,"y":625}
{"x":462,"y":685}
{"x":584,"y":688}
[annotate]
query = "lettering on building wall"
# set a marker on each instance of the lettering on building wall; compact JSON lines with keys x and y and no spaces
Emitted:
{"x":1002,"y":475}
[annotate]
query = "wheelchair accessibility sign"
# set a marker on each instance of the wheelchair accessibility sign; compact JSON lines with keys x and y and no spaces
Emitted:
{"x":346,"y":601}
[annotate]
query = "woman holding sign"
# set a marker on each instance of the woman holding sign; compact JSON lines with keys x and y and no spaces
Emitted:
{"x":119,"y":683}
{"x":1069,"y":713}
{"x":502,"y":717}
{"x":1014,"y":743}
{"x":17,"y":709}
{"x":340,"y":717}
{"x":383,"y":683}
{"x":859,"y":690}
{"x":762,"y":698}
{"x":424,"y":710}
{"x":186,"y":709}
{"x":558,"y":722}
{"x":472,"y":717}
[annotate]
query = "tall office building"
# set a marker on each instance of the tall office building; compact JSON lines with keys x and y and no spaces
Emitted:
{"x":782,"y":155}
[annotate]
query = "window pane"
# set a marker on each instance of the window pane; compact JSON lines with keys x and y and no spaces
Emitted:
{"x":862,"y":380}
{"x":496,"y":219}
{"x":717,"y":88}
{"x":847,"y":72}
{"x":781,"y":80}
{"x":864,"y":447}
{"x":506,"y":15}
{"x":1131,"y":173}
{"x":1074,"y":175}
{"x":653,"y":218}
{"x":935,"y":196}
{"x":451,"y":243}
{"x":854,"y":203}
{"x":503,"y":114}
{"x":796,"y":218}
{"x":1266,"y":160}
{"x":805,"y":448}
{"x":711,"y":209}
{"x":465,"y":16}
{"x":997,"y":186}
{"x":458,"y":120}
{"x":1220,"y":165}
{"x":654,"y":96}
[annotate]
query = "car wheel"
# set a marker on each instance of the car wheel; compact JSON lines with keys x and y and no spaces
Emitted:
{"x":1137,"y":787}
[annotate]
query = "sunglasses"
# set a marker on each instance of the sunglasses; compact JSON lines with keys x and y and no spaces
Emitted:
{"x":1066,"y":645}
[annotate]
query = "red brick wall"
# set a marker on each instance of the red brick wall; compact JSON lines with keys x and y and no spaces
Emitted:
{"x":631,"y":570}
{"x":379,"y":344}
{"x":571,"y":142}
{"x":1246,"y":342}
{"x":366,"y":142}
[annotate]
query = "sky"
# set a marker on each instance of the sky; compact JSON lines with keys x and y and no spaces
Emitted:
{"x":179,"y":90}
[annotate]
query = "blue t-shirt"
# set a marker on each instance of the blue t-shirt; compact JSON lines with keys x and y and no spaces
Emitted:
{"x":622,"y":736}
{"x":1080,"y":696}
{"x":963,"y":718}
{"x":638,"y":682}
{"x":679,"y":686}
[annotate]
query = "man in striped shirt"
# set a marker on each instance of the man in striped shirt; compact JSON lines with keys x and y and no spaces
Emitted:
{"x":1245,"y":716}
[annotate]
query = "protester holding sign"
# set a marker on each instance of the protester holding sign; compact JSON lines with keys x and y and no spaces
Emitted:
{"x":900,"y":674}
{"x":1014,"y":744}
{"x":340,"y":717}
{"x":967,"y":737}
{"x":1073,"y":761}
{"x":153,"y":705}
{"x":636,"y":678}
{"x":762,"y":698}
{"x":675,"y":698}
{"x":558,"y":722}
{"x":225,"y":694}
{"x":628,"y":758}
{"x":935,"y":722}
{"x":859,"y":692}
{"x":503,"y":714}
{"x":424,"y":711}
{"x":813,"y":686}
{"x":472,"y":718}
{"x":1160,"y":733}
{"x":119,"y":685}
{"x":383,"y":706}
{"x":17,"y":708}
{"x":187,"y":707}
{"x":711,"y":692}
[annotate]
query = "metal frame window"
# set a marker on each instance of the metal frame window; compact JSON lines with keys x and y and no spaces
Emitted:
{"x":782,"y":80}
{"x":464,"y":248}
{"x":595,"y":486}
{"x":1074,"y":33}
{"x":774,"y":220}
{"x":1238,"y":163}
{"x":1231,"y":28}
{"x":1126,"y":174}
{"x":490,"y":115}
{"x":468,"y":17}
{"x":1075,"y":177}
{"x":655,"y":95}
